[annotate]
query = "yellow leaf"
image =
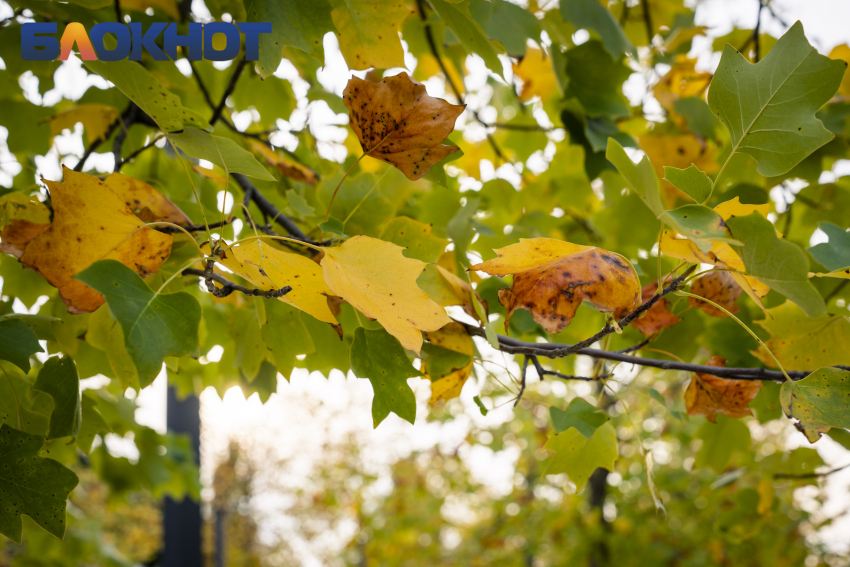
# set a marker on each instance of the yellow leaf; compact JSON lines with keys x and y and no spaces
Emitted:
{"x":709,"y":395}
{"x":23,"y":217}
{"x":368,"y":32}
{"x":96,"y":119}
{"x":552,"y":278}
{"x":209,"y":174}
{"x":446,"y":289}
{"x":270,"y":268}
{"x":291,"y":169}
{"x":842,"y":52}
{"x":805,"y":343}
{"x":679,"y":151}
{"x":681,"y":81}
{"x":146,"y":202}
{"x":455,"y":338}
{"x":91,"y":223}
{"x":377,"y":280}
{"x":538,"y":77}
{"x":397,"y":122}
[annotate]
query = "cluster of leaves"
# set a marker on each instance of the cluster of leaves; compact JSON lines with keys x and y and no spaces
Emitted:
{"x":352,"y":266}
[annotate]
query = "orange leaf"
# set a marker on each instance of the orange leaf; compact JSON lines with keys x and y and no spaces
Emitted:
{"x":552,"y":278}
{"x":657,"y":318}
{"x":91,"y":223}
{"x":146,"y":202}
{"x":709,"y":395}
{"x":290,"y":169}
{"x":719,"y":287}
{"x":397,"y":122}
{"x":23,"y":217}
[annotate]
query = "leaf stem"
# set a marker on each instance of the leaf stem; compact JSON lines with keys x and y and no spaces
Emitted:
{"x":363,"y":200}
{"x":741,"y":323}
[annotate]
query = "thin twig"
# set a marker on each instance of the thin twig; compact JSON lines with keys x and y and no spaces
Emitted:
{"x":522,"y":381}
{"x":270,"y":211}
{"x":810,"y":475}
{"x":638,"y":346}
{"x":234,"y":78}
{"x":647,"y":20}
{"x":190,"y":228}
{"x":756,"y":53}
{"x":118,"y":17}
{"x":136,"y":153}
{"x":228,"y":286}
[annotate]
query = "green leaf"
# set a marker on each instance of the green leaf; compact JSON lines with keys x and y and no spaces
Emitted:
{"x":286,"y":335}
{"x":25,"y":409}
{"x":766,"y":403}
{"x":779,"y":264}
{"x":93,"y":424}
{"x":155,"y":325}
{"x":700,"y":224}
{"x":769,"y":107}
{"x":457,"y":17}
{"x":720,"y":441}
{"x":743,"y":521}
{"x":299,"y":23}
{"x":439,"y":362}
{"x":31,"y":485}
{"x":692,"y":182}
{"x":506,"y":22}
{"x":481,"y":407}
{"x":298,"y":204}
{"x":599,"y":129}
{"x":416,"y":238}
{"x":334,"y":226}
{"x":58,"y":377}
{"x":105,"y":333}
{"x":591,"y":15}
{"x":819,"y":401}
{"x":579,"y":414}
{"x":596,"y":80}
{"x":378,"y":356}
{"x":17,"y":343}
{"x":578,"y":456}
{"x":223,"y":152}
{"x":148,"y":93}
{"x":835,"y":254}
{"x":698,"y":116}
{"x":840,"y":436}
{"x":249,"y":349}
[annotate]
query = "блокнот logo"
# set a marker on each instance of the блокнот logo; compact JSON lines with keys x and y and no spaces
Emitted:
{"x":37,"y":43}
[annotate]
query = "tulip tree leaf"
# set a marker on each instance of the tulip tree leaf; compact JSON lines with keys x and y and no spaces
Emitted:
{"x":596,"y":80}
{"x":299,"y":23}
{"x":223,"y":152}
{"x":578,"y":456}
{"x":835,"y":254}
{"x":691,"y":182}
{"x":31,"y":485}
{"x":700,"y":224}
{"x":58,"y":377}
{"x":149,"y":94}
{"x":579,"y":414}
{"x":155,"y":325}
{"x":378,"y":356}
{"x":818,"y":402}
{"x":457,"y":17}
{"x":17,"y":343}
{"x":591,"y":15}
{"x":769,"y":107}
{"x":720,"y":441}
{"x":779,"y":264}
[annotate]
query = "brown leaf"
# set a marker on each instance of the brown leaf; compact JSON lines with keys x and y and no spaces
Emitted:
{"x":22,"y":217}
{"x":709,"y":395}
{"x":91,"y":223}
{"x":657,"y":318}
{"x":291,"y":169}
{"x":719,"y":287}
{"x":146,"y":202}
{"x":397,"y":122}
{"x":552,"y":278}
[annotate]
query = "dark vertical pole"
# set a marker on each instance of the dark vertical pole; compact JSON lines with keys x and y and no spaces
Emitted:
{"x":220,"y":549}
{"x":183,"y":519}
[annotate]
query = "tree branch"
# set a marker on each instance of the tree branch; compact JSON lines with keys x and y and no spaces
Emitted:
{"x":190,"y":227}
{"x":228,"y":286}
{"x":270,"y":211}
{"x":234,"y":78}
{"x":810,"y":475}
{"x":555,"y":350}
{"x":647,"y":20}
